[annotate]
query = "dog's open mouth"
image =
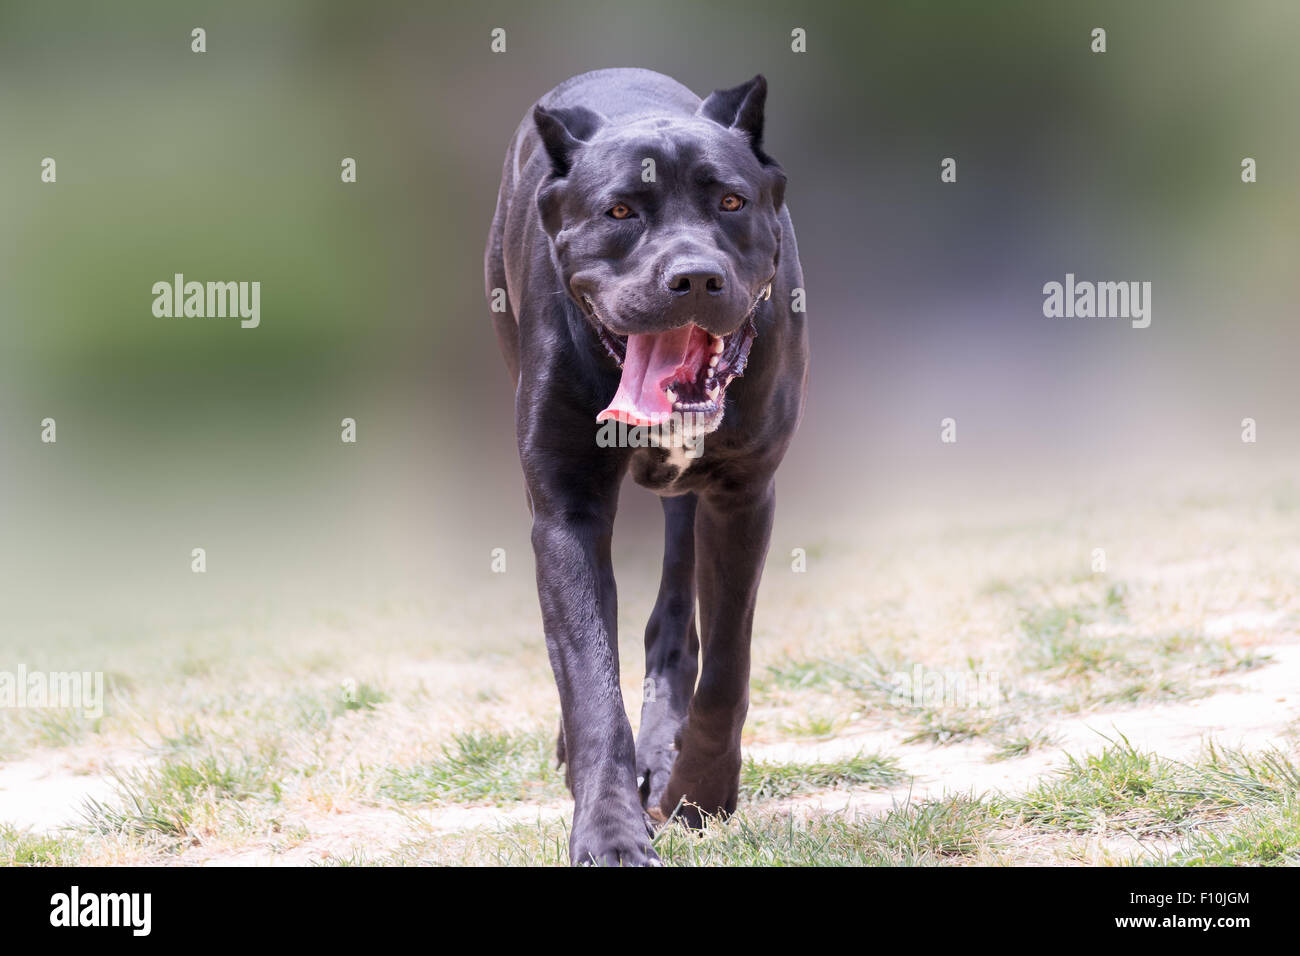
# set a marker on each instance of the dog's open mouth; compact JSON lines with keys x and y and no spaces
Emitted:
{"x":684,"y":370}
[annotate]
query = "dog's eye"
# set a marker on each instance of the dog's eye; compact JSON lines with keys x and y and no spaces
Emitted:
{"x":732,"y":203}
{"x":621,"y":211}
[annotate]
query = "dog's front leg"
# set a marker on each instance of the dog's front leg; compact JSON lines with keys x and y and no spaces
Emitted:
{"x":575,"y":582}
{"x":731,"y":534}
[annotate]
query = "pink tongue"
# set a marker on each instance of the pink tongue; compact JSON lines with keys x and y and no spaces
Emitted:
{"x":650,"y":364}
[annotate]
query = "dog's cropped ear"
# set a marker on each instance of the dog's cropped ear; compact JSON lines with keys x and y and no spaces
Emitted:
{"x":563,"y":131}
{"x":741,"y":107}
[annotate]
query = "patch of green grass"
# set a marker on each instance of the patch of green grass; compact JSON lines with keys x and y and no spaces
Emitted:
{"x":1077,"y":646}
{"x":885,"y":685}
{"x":1092,"y":693}
{"x":1143,"y":689}
{"x":25,"y":848}
{"x":22,"y":728}
{"x":542,"y":843}
{"x":1265,"y":836}
{"x":920,"y":834}
{"x":1056,"y":640}
{"x":313,"y":710}
{"x":215,"y":777}
{"x":1267,"y":786}
{"x":136,"y":814}
{"x":951,"y":726}
{"x":1013,"y":746}
{"x":491,"y":766}
{"x":1233,"y":776}
{"x":185,"y":738}
{"x":793,"y":674}
{"x":1120,"y":788}
{"x":762,"y":780}
{"x":951,"y":827}
{"x":817,"y":726}
{"x":864,"y":676}
{"x":1123,"y":789}
{"x":355,"y":858}
{"x":169,"y":799}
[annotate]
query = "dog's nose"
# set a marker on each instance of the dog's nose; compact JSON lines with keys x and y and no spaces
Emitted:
{"x":697,"y":277}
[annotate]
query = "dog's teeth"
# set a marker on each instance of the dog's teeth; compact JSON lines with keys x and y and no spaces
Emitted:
{"x":672,"y":396}
{"x":767,"y":291}
{"x":713,"y":393}
{"x":713,"y":361}
{"x":718,"y":345}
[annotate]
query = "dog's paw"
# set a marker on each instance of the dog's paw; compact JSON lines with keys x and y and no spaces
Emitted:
{"x":654,"y":769}
{"x":656,"y":753}
{"x":699,"y":789}
{"x":612,"y":840}
{"x":613,"y":852}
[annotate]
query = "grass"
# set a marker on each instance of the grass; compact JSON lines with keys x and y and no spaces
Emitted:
{"x":501,"y":768}
{"x":1265,"y":836}
{"x":1267,"y":786}
{"x":358,"y":696}
{"x":942,"y":726}
{"x":1118,"y":789}
{"x":764,"y":780}
{"x":913,"y":834}
{"x":1095,"y":657}
{"x":864,"y":675}
{"x":183,"y":794}
{"x":480,"y":766}
{"x":25,"y":848}
{"x":1228,"y":807}
{"x":246,"y":730}
{"x":1070,"y":658}
{"x":1014,"y":746}
{"x":871,"y":681}
{"x":920,"y":834}
{"x":816,"y":726}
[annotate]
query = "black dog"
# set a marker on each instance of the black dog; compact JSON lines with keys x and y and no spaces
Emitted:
{"x":647,"y":261}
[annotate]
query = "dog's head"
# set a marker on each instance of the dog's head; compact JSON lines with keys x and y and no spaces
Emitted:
{"x":666,"y":233}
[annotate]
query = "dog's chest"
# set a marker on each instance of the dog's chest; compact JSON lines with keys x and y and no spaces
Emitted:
{"x":663,"y":470}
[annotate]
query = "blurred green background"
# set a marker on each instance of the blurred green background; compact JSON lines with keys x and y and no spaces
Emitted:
{"x":925,"y":299}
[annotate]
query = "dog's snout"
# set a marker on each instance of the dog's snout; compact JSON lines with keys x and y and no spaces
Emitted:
{"x":695,"y":277}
